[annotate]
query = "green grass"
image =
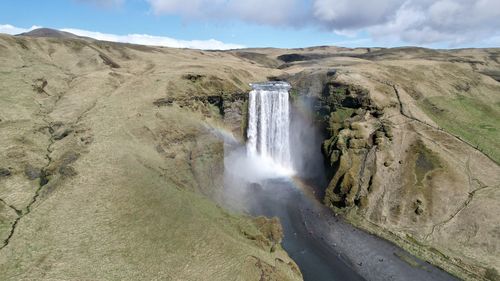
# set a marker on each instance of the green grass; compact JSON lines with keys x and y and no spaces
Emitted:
{"x":338,"y":117}
{"x":343,"y":113}
{"x":468,"y":118}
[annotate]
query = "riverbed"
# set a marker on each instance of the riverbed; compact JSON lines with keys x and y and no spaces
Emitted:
{"x":325,"y":247}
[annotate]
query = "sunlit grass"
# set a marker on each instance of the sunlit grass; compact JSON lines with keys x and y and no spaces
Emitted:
{"x":468,"y":118}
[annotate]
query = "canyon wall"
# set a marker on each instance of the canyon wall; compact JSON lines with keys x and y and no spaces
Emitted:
{"x":397,"y":173}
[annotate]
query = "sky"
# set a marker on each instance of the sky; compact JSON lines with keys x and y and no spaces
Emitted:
{"x":228,"y":24}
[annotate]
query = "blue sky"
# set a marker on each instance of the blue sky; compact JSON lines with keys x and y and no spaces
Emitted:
{"x":266,"y":23}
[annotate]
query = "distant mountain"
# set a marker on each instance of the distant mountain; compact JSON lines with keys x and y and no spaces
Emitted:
{"x":48,"y":32}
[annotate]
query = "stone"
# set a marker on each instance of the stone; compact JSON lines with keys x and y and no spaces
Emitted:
{"x":61,"y":133}
{"x":67,"y":171}
{"x":4,"y":172}
{"x":31,"y":172}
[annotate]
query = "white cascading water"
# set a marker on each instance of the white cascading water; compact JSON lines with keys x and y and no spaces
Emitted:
{"x":268,"y":135}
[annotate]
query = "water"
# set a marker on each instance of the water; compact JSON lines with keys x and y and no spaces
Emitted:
{"x":314,"y":256}
{"x":269,"y":123}
{"x":328,"y":249}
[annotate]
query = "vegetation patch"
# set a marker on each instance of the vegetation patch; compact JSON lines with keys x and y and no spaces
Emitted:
{"x":492,"y":274}
{"x":425,"y":162}
{"x":4,"y":172}
{"x":193,"y":77}
{"x":471,"y":119}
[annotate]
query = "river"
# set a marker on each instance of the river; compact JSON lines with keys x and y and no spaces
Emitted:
{"x":327,"y":248}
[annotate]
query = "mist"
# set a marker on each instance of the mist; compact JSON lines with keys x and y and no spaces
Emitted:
{"x":306,"y":138}
{"x":244,"y":172}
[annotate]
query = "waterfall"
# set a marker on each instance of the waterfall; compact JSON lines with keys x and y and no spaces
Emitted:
{"x":268,"y":133}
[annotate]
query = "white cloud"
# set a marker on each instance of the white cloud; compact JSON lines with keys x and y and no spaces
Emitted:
{"x":12,"y":30}
{"x":352,"y":14}
{"x":142,"y":39}
{"x":421,"y":22}
{"x":145,"y":39}
{"x":453,"y":22}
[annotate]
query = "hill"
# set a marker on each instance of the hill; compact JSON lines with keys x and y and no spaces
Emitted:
{"x":109,"y":167}
{"x":48,"y":32}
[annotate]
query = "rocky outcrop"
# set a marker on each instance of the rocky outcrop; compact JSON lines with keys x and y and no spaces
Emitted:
{"x":354,"y":130}
{"x":231,"y":107}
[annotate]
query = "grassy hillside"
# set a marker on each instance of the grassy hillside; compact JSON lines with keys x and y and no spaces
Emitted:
{"x":99,"y":182}
{"x":471,"y":119}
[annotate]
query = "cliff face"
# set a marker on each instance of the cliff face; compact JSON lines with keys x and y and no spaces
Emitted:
{"x":402,"y":173}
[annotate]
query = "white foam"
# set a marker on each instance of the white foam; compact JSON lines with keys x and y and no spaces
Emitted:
{"x":268,"y":131}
